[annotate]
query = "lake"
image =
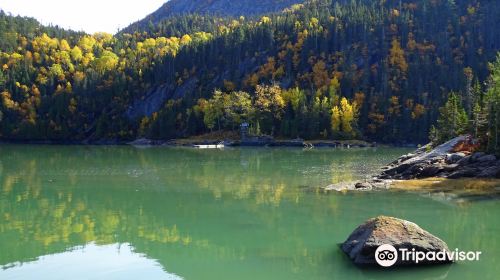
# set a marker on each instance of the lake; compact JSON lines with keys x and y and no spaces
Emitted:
{"x":78,"y":212}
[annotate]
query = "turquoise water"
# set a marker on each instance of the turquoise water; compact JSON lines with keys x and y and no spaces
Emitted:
{"x":72,"y":212}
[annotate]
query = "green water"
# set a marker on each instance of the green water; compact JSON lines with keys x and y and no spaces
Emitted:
{"x":177,"y":213}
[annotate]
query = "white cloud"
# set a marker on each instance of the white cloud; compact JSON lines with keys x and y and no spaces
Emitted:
{"x":87,"y":15}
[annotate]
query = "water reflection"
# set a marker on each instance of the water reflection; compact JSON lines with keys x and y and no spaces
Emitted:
{"x":115,"y":261}
{"x":205,"y":215}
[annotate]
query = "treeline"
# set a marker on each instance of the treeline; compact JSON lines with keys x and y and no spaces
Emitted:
{"x":478,"y":114}
{"x":375,"y":70}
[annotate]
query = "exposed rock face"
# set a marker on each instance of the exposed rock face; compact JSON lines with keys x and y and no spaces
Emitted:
{"x":361,"y":245}
{"x":156,"y":97}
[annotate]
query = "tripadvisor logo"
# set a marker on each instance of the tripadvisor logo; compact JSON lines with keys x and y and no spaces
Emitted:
{"x":386,"y":255}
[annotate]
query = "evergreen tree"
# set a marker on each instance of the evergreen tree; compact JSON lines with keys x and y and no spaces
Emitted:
{"x":452,"y":121}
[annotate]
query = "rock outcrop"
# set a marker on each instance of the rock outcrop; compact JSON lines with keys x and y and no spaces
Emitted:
{"x":444,"y":161}
{"x":363,"y":242}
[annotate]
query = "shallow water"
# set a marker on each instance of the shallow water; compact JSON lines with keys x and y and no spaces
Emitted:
{"x":176,"y":213}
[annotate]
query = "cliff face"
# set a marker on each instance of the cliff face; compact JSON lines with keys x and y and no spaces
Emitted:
{"x":234,"y":8}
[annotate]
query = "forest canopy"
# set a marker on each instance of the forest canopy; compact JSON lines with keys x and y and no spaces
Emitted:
{"x":376,"y":70}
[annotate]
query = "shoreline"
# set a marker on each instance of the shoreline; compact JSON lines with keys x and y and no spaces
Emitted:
{"x":446,"y":171}
{"x":186,"y":142}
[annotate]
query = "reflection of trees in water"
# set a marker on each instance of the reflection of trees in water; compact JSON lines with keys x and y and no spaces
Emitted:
{"x":263,"y":174}
{"x":54,"y":198}
{"x":39,"y":221}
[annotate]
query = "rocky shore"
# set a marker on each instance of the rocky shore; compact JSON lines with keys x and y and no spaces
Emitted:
{"x":445,"y":161}
{"x":451,"y":160}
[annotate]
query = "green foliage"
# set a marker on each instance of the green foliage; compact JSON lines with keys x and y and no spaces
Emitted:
{"x":484,"y":116}
{"x":452,"y":121}
{"x":493,"y":107}
{"x":389,"y":60}
{"x":344,"y":118}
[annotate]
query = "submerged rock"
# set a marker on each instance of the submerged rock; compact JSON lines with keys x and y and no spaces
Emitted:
{"x":363,"y":185}
{"x":363,"y":242}
{"x":340,"y":187}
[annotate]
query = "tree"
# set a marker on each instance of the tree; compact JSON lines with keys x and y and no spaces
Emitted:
{"x":237,"y":108}
{"x":398,"y":65}
{"x":493,"y":107}
{"x":336,"y":119}
{"x":320,"y":75}
{"x":344,"y":118}
{"x":76,"y":54}
{"x":349,"y":114}
{"x":269,"y":105}
{"x":453,"y":120}
{"x":106,"y":62}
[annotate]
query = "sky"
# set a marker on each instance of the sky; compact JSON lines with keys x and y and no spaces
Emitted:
{"x":83,"y":15}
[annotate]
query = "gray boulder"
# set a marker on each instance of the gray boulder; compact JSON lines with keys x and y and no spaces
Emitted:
{"x":361,"y":245}
{"x":487,"y":158}
{"x":363,"y":186}
{"x":450,"y":167}
{"x":453,"y":158}
{"x":464,"y":161}
{"x":490,"y":172}
{"x":475,"y":156}
{"x":430,"y":171}
{"x":465,"y":172}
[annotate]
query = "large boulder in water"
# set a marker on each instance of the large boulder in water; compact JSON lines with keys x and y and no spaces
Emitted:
{"x":401,"y":234}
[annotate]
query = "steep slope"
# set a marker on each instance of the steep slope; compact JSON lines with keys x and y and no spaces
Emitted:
{"x":341,"y":69}
{"x":232,"y":8}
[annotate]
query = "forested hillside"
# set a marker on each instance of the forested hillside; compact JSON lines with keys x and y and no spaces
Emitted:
{"x":377,"y":70}
{"x":223,"y":8}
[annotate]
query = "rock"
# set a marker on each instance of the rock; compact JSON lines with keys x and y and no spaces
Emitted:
{"x":438,"y":159}
{"x":453,"y":158}
{"x":464,"y":173}
{"x":414,"y":170}
{"x":464,"y":161}
{"x":397,"y":169}
{"x":363,"y":185}
{"x":406,"y":157}
{"x":421,"y":170}
{"x":361,"y":245}
{"x":450,"y":167}
{"x":487,"y":158}
{"x":382,"y":185}
{"x":338,"y":187}
{"x":440,"y":151}
{"x":476,"y":156}
{"x":490,"y":172}
{"x":430,"y":171}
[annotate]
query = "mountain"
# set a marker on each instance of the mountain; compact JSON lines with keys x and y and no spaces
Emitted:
{"x":222,"y":8}
{"x":329,"y":69}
